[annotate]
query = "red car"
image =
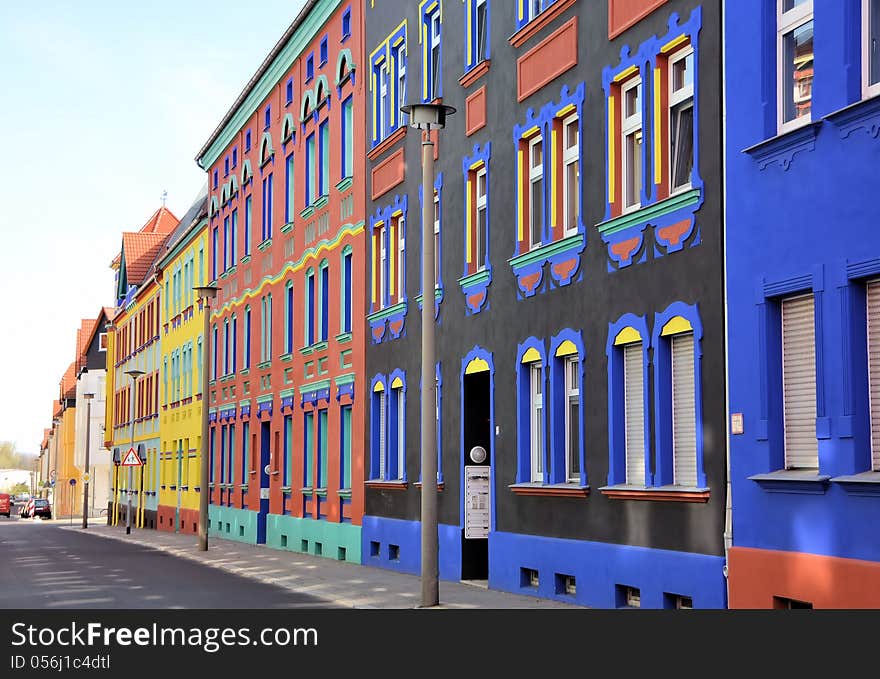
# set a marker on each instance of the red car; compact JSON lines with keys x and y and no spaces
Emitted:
{"x":5,"y":505}
{"x":37,"y":507}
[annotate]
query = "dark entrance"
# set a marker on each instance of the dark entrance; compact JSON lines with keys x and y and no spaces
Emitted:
{"x":477,"y":433}
{"x":265,"y":449}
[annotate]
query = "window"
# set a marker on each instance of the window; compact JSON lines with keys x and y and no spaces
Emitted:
{"x":325,"y":301}
{"x":308,"y":448}
{"x":346,"y":32}
{"x":634,"y":413}
{"x":378,"y":450}
{"x":397,"y":454}
{"x":246,"y":362}
{"x":536,"y":190}
{"x":481,"y":221}
{"x":216,"y":177}
{"x":346,"y":292}
{"x":383,"y":264}
{"x":214,"y":355}
{"x":799,"y":382}
{"x":870,"y":48}
{"x":289,"y":189}
{"x":247,"y":225}
{"x":536,"y":421}
{"x":226,"y":166}
{"x":431,"y":38}
{"x":388,"y":84}
{"x":289,"y":91}
{"x":382,"y":109}
{"x":310,"y":307}
{"x":571,"y":175}
{"x":400,"y":64}
{"x":631,"y":143}
{"x":247,"y":143}
{"x":400,"y":230}
{"x":234,"y":157}
{"x":267,"y":117}
{"x":324,"y":150}
{"x":437,"y":280}
{"x":233,"y":239}
{"x":234,"y":344}
{"x":572,"y":419}
{"x":345,"y":448}
{"x":323,"y":50}
{"x":226,"y":347}
{"x":215,"y":239}
{"x":681,"y":118}
{"x":267,"y":207}
{"x":873,"y":333}
{"x":310,"y":170}
{"x":795,"y":57}
{"x":477,"y":37}
{"x":310,"y":67}
{"x":347,"y":138}
{"x":684,"y":441}
{"x":288,"y":319}
{"x":230,"y":467}
{"x":322,"y":448}
{"x":288,"y":450}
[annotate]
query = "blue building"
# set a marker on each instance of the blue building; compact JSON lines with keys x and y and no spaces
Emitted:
{"x":803,"y":277}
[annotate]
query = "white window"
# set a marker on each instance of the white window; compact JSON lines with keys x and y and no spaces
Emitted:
{"x":571,"y":173}
{"x":874,"y":370}
{"x":634,"y":413}
{"x":383,"y":262}
{"x":572,"y":419}
{"x":436,"y":240}
{"x":631,"y":133}
{"x":536,"y":412}
{"x":102,"y":341}
{"x":681,"y":119}
{"x":401,"y":80}
{"x":794,"y":54}
{"x":799,"y":383}
{"x":382,"y":112}
{"x":684,"y":437}
{"x":401,"y":428}
{"x":870,"y":48}
{"x":401,"y":255}
{"x":536,"y":190}
{"x":434,"y":79}
{"x":482,"y":220}
{"x":535,"y":7}
{"x":382,"y":436}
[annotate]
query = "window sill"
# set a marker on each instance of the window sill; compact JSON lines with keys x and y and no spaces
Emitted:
{"x":387,"y":143}
{"x":343,"y":338}
{"x":539,"y":22}
{"x":475,"y":73}
{"x":805,"y":481}
{"x":782,"y":148}
{"x":306,"y":491}
{"x":284,"y":358}
{"x":244,"y":371}
{"x":344,"y":493}
{"x":862,"y":115}
{"x":307,"y":212}
{"x":553,"y":489}
{"x":262,"y":247}
{"x":387,"y":311}
{"x":650,"y":212}
{"x":321,"y":492}
{"x":656,"y":493}
{"x":286,"y":490}
{"x":287,"y":227}
{"x":865,"y":484}
{"x":265,"y":365}
{"x":245,"y":259}
{"x":345,"y":183}
{"x":321,"y":201}
{"x":386,"y":485}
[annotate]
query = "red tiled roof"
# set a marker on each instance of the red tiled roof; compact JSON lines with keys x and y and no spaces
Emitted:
{"x":45,"y":442}
{"x":162,"y":221}
{"x":68,"y":382}
{"x":140,"y":250}
{"x":56,"y":408}
{"x":84,"y":339}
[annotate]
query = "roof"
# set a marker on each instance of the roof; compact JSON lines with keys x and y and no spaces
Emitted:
{"x":106,"y":313}
{"x":255,"y":78}
{"x":188,"y":224}
{"x":83,"y":339}
{"x":56,"y":408}
{"x":45,"y":442}
{"x":68,"y":381}
{"x":140,"y":251}
{"x":162,"y":221}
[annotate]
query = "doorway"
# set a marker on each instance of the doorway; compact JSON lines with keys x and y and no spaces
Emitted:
{"x":477,"y":460}
{"x":265,"y":451}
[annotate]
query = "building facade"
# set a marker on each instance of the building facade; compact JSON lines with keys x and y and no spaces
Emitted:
{"x":286,"y":230}
{"x":179,"y":269}
{"x":65,"y":441}
{"x":804,"y":303}
{"x":579,"y":297}
{"x":133,"y":416}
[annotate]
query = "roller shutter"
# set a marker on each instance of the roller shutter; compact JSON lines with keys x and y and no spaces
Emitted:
{"x":874,"y":369}
{"x":799,"y":383}
{"x":684,"y":437}
{"x":634,"y":413}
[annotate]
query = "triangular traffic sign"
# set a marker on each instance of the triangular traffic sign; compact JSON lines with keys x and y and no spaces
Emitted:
{"x":131,"y":459}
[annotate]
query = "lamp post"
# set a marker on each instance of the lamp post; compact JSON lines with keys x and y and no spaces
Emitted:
{"x":88,"y":398}
{"x":206,"y":293}
{"x":133,"y":374}
{"x":427,"y":117}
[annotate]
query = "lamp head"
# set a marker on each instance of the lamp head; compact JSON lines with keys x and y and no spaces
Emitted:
{"x":427,"y":116}
{"x":134,"y":373}
{"x":206,"y":292}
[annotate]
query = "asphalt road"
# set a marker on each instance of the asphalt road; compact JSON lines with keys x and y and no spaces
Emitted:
{"x":45,"y":566}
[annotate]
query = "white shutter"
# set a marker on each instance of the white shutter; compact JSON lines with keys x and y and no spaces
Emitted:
{"x":382,"y":435}
{"x":634,"y":413}
{"x":684,"y":437}
{"x":799,"y":383}
{"x":874,"y":370}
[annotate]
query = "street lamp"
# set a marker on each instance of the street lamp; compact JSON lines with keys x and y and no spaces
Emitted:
{"x":133,"y":374}
{"x":88,"y":398}
{"x":427,"y":117}
{"x":206,"y":293}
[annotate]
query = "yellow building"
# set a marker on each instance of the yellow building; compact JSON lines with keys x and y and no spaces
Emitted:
{"x":133,"y":407}
{"x":179,"y":270}
{"x":65,"y":470}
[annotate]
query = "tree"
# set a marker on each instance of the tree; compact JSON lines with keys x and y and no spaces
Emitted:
{"x":19,"y":489}
{"x":10,"y":458}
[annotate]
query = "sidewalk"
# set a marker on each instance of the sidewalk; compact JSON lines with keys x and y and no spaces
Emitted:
{"x":338,"y":582}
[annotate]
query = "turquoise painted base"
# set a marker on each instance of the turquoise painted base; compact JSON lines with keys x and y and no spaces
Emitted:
{"x":340,"y":541}
{"x":232,"y":524}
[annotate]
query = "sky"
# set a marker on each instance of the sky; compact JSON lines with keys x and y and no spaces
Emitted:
{"x":103,"y":107}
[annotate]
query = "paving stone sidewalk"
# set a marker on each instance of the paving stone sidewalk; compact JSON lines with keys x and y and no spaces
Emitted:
{"x":339,"y":582}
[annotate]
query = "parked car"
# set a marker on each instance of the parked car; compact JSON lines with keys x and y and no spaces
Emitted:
{"x":5,"y":504}
{"x":37,"y":507}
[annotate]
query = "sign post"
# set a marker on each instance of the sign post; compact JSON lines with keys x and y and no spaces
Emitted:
{"x":72,"y":483}
{"x":131,"y":460}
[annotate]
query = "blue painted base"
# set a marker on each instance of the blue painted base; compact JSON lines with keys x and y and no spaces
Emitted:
{"x":395,"y":544}
{"x":232,"y":524}
{"x":602,"y":570}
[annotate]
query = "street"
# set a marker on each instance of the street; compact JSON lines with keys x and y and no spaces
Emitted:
{"x":46,"y":566}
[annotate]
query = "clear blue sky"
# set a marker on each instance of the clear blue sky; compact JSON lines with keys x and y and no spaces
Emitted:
{"x":103,"y":106}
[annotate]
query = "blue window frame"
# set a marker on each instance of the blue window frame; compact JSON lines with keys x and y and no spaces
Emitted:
{"x":378,"y":429}
{"x":247,"y":141}
{"x":566,"y":413}
{"x":248,"y":212}
{"x":214,"y":354}
{"x":345,"y":447}
{"x":245,"y":452}
{"x":267,"y":207}
{"x":288,"y":318}
{"x":289,"y":91}
{"x":431,"y":33}
{"x":216,"y":177}
{"x":246,"y":361}
{"x":325,"y":300}
{"x":388,"y":72}
{"x":310,"y":169}
{"x":530,"y":9}
{"x":310,"y":67}
{"x":322,"y":448}
{"x":267,"y":117}
{"x":288,"y":449}
{"x":233,"y":235}
{"x":212,"y":448}
{"x":347,"y":127}
{"x":346,"y":291}
{"x":226,"y":347}
{"x":346,"y":30}
{"x":225,"y":244}
{"x":476,"y":48}
{"x":310,"y":307}
{"x":226,"y":166}
{"x":230,"y":451}
{"x":289,"y":189}
{"x":396,"y":423}
{"x":234,"y":343}
{"x":215,"y":238}
{"x":531,"y":378}
{"x":234,"y":157}
{"x":324,"y":152}
{"x":323,"y":50}
{"x":308,"y":448}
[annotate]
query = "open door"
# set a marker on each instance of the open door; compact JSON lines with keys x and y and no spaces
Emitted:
{"x":477,"y":439}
